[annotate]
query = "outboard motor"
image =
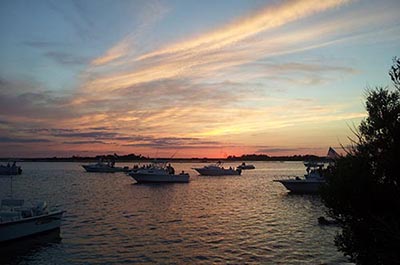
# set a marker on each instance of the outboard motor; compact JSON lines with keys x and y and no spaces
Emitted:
{"x":41,"y":208}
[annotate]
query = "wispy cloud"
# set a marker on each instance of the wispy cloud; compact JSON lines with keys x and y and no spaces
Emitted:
{"x":22,"y":140}
{"x":150,"y":13}
{"x":75,"y":15}
{"x":116,"y":52}
{"x":237,"y":31}
{"x":225,"y":47}
{"x":64,"y":58}
{"x":205,"y":91}
{"x":24,"y":100}
{"x":84,"y":142}
{"x":96,"y":135}
{"x":273,"y":150}
{"x":41,"y":44}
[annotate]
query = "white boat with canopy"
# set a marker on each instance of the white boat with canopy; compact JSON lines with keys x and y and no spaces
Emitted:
{"x":18,"y":221}
{"x":311,"y":182}
{"x":313,"y":179}
{"x":158,"y":172}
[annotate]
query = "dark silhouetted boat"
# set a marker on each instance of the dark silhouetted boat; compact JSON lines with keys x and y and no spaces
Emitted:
{"x":217,"y":170}
{"x":10,"y":169}
{"x":158,"y":172}
{"x":104,"y":167}
{"x":244,"y":166}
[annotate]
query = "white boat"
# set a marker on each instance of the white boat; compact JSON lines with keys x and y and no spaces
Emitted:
{"x":217,"y":170}
{"x":10,"y":169}
{"x":311,"y":182}
{"x":158,"y":173}
{"x":244,"y":166}
{"x":105,"y":167}
{"x":17,"y":221}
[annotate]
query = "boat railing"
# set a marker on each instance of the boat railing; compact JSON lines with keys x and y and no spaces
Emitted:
{"x":9,"y":216}
{"x":286,"y":177}
{"x":11,"y":203}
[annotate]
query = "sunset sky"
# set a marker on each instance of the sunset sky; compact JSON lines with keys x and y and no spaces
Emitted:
{"x":195,"y":78}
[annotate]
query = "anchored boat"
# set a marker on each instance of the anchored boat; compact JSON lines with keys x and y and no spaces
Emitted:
{"x":217,"y":170}
{"x":17,"y":221}
{"x":10,"y":169}
{"x":245,"y":166}
{"x":311,"y":182}
{"x":104,"y":167}
{"x":158,"y":172}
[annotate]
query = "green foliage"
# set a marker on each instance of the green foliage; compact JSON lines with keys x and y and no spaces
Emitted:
{"x":395,"y":72}
{"x":363,"y":189}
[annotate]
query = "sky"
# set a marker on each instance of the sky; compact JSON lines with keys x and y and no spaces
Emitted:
{"x":189,"y":78}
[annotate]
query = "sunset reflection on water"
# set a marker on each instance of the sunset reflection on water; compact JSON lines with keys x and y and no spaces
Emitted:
{"x":232,"y":219}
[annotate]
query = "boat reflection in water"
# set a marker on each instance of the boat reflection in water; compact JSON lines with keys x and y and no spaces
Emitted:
{"x":18,"y":251}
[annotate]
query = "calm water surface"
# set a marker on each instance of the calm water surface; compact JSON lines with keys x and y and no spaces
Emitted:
{"x":232,"y":219}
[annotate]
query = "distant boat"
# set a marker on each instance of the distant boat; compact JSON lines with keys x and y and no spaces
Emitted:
{"x":245,"y":166}
{"x":104,"y":167}
{"x":158,"y":172}
{"x":17,"y":221}
{"x":10,"y":169}
{"x":217,"y":170}
{"x":311,"y":182}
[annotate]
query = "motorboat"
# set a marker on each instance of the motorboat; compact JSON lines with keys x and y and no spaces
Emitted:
{"x":244,"y":166}
{"x":104,"y":167}
{"x":217,"y":170}
{"x":18,"y":221}
{"x":158,"y":172}
{"x":10,"y":169}
{"x":311,"y":182}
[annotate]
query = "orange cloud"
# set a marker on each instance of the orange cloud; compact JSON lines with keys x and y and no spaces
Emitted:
{"x":116,"y":52}
{"x":266,"y":19}
{"x":211,"y":52}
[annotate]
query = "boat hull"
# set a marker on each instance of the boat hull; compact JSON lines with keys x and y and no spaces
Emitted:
{"x":30,"y":226}
{"x":10,"y":170}
{"x":219,"y":172}
{"x":162,"y":178}
{"x":247,"y":167}
{"x":302,"y":186}
{"x":89,"y":168}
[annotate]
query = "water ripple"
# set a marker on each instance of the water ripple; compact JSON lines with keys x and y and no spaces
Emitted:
{"x":246,"y":219}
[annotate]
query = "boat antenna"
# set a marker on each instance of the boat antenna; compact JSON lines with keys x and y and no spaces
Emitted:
{"x":174,"y":154}
{"x":11,"y":186}
{"x":156,"y":155}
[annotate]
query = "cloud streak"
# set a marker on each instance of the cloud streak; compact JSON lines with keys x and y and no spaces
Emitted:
{"x":266,"y":19}
{"x":211,"y":90}
{"x":220,"y":49}
{"x":22,"y":140}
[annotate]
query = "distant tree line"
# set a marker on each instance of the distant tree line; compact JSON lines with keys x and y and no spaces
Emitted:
{"x":133,"y":157}
{"x":74,"y":158}
{"x":263,"y":157}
